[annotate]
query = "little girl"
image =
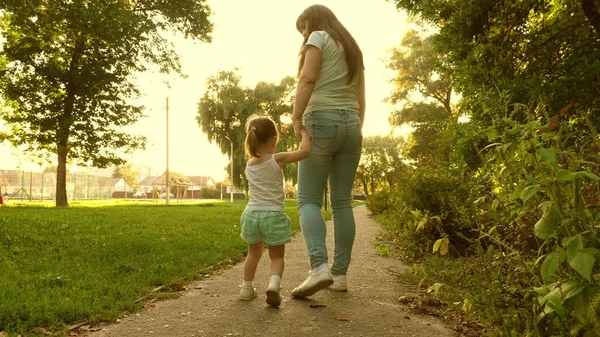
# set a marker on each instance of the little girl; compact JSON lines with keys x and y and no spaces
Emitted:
{"x":264,"y":219}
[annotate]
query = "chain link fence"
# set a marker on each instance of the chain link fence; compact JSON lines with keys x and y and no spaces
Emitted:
{"x":22,"y":185}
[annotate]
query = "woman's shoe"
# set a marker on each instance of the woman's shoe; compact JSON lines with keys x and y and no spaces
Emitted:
{"x":320,"y":278}
{"x":340,"y":283}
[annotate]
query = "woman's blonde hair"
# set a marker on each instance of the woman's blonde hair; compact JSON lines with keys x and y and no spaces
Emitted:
{"x":319,"y":17}
{"x":259,"y":130}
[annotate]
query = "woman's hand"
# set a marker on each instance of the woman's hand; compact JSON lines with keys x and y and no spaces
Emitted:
{"x":298,"y":127}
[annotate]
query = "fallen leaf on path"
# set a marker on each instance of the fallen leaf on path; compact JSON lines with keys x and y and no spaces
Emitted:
{"x":340,"y":318}
{"x":76,"y":325}
{"x":178,"y":286}
{"x":42,"y":331}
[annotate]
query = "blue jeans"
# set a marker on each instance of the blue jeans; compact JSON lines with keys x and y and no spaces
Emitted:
{"x":335,"y":153}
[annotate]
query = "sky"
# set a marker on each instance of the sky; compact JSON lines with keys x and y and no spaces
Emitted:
{"x":259,"y":37}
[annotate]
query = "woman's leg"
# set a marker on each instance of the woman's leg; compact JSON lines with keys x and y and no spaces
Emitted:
{"x":341,"y":181}
{"x":312,"y":178}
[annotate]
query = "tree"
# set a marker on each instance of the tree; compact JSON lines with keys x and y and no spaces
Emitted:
{"x":423,"y":87}
{"x":420,"y":71}
{"x":227,"y":104}
{"x":542,"y":54}
{"x":128,"y":174}
{"x":68,"y":80}
{"x":380,"y":161}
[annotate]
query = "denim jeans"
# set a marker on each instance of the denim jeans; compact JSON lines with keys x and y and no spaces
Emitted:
{"x":335,"y":153}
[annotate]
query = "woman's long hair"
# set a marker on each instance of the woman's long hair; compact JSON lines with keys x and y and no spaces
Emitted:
{"x":319,"y":17}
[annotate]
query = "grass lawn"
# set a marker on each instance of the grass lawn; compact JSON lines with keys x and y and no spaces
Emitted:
{"x":92,"y":261}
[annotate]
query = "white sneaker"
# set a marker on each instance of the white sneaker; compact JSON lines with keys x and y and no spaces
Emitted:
{"x":247,"y":293}
{"x":340,"y":283}
{"x":320,"y":278}
{"x":273,"y":295}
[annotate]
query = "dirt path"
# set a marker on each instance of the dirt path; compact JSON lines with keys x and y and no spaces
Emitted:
{"x":369,"y":308}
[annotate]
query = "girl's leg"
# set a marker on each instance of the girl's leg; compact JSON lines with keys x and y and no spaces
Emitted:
{"x":255,"y":251}
{"x":277,"y":255}
{"x":247,"y":291}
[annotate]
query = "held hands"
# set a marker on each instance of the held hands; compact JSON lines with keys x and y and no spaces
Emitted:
{"x":298,"y":127}
{"x":304,"y":133}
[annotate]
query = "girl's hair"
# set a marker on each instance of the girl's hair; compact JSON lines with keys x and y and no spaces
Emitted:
{"x":319,"y":17}
{"x":259,"y":130}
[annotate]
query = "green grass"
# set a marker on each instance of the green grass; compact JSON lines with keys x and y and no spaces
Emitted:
{"x":92,"y":261}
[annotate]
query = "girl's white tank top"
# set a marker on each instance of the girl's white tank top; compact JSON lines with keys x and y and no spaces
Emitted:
{"x":265,"y":186}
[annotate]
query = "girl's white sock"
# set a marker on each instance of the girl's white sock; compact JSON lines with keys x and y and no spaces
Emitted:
{"x":275,"y":280}
{"x":248,"y":283}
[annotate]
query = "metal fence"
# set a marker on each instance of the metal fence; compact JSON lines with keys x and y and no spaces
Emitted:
{"x":21,"y":185}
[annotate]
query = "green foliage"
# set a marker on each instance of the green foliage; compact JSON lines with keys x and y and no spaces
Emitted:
{"x":526,"y":158}
{"x":419,"y":71}
{"x":426,"y":206}
{"x":128,"y":174}
{"x":524,"y":48}
{"x":552,"y":171}
{"x":227,"y":104}
{"x":380,"y":163}
{"x":67,"y":73}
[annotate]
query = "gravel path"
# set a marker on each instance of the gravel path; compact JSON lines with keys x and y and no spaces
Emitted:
{"x":370,"y":308}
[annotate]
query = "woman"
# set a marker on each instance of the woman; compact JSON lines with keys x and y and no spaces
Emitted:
{"x":330,"y":104}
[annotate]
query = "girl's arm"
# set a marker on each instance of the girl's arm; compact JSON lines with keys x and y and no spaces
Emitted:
{"x":283,"y":158}
{"x":306,"y":85}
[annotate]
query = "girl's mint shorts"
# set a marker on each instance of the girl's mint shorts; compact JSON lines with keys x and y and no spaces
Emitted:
{"x":271,"y":227}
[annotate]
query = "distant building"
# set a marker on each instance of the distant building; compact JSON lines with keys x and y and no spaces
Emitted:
{"x":202,"y":181}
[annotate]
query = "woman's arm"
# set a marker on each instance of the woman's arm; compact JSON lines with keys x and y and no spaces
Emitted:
{"x":360,"y":96}
{"x":306,"y":85}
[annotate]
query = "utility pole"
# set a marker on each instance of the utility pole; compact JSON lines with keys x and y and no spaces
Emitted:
{"x":168,"y":193}
{"x":231,"y":165}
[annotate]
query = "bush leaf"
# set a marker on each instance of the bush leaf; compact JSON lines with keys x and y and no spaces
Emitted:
{"x":529,"y":192}
{"x":549,"y":221}
{"x":583,"y":263}
{"x":550,"y":265}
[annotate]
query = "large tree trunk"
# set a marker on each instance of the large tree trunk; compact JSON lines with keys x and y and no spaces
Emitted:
{"x":66,"y":122}
{"x":61,"y":174}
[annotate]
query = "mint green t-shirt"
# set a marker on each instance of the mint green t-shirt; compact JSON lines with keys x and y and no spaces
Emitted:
{"x":332,"y":90}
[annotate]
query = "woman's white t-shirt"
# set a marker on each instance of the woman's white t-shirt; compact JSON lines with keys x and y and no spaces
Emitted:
{"x":332,"y":90}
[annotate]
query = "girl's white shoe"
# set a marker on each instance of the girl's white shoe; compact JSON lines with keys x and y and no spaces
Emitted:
{"x":247,"y":293}
{"x":273,"y":295}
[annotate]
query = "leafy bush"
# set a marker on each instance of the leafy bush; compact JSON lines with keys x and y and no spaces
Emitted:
{"x":534,"y":204}
{"x":427,"y":205}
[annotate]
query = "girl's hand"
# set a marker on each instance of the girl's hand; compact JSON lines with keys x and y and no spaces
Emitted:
{"x":304,"y":133}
